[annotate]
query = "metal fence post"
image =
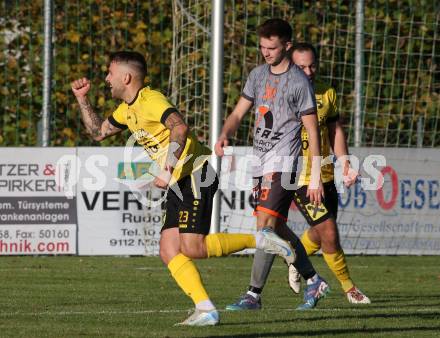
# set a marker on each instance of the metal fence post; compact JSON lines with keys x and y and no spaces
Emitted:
{"x":216,"y":97}
{"x":359,"y":63}
{"x":47,"y":73}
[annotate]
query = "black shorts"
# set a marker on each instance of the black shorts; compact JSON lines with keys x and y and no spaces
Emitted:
{"x":317,"y":214}
{"x":273,"y":193}
{"x":192,"y":213}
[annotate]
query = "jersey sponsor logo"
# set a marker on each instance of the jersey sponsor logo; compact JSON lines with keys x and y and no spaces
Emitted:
{"x":276,"y":136}
{"x":150,"y":143}
{"x":140,"y":134}
{"x":267,"y":132}
{"x":265,"y":113}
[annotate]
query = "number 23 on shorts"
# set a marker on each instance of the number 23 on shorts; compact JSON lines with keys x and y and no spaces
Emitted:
{"x":183,"y":216}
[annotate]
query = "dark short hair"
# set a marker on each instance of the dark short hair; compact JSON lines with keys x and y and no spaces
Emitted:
{"x":275,"y":27}
{"x":305,"y":47}
{"x":134,"y":59}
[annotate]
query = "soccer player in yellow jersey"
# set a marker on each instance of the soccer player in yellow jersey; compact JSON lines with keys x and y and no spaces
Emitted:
{"x":161,"y":130}
{"x":323,"y":233}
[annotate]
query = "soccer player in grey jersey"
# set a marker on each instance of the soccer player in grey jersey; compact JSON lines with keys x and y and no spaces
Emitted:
{"x":284,"y":100}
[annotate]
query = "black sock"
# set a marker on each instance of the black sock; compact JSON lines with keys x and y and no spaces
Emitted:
{"x":255,"y":290}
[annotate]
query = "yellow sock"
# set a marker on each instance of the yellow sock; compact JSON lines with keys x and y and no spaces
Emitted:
{"x":310,"y":246}
{"x":338,"y":265}
{"x":188,"y":278}
{"x":224,"y":244}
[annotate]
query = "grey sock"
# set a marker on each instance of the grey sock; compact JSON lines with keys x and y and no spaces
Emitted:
{"x":260,"y":268}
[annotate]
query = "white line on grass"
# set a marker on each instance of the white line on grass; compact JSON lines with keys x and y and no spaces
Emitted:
{"x":68,"y":313}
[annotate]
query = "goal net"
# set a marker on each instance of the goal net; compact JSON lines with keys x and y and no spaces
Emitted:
{"x":400,"y":98}
{"x":401,"y":84}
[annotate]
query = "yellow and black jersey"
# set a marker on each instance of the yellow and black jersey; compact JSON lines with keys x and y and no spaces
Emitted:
{"x":145,"y":117}
{"x":327,"y":113}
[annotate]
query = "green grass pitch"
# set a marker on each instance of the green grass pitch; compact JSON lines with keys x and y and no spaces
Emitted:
{"x":136,"y":297}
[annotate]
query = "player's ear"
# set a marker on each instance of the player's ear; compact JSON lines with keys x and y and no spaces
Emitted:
{"x":288,"y":45}
{"x":127,"y":78}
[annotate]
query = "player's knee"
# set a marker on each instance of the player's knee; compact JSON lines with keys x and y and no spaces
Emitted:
{"x":169,"y":245}
{"x":193,"y":249}
{"x":313,"y":232}
{"x":329,"y":232}
{"x":266,"y":220}
{"x":165,"y":255}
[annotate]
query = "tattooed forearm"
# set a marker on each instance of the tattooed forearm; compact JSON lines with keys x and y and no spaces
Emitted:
{"x":177,"y":145}
{"x":178,"y":134}
{"x":92,"y":121}
{"x":174,"y":120}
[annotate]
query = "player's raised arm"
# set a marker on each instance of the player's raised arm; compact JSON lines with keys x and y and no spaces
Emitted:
{"x":314,"y":190}
{"x":231,"y":124}
{"x":96,"y":126}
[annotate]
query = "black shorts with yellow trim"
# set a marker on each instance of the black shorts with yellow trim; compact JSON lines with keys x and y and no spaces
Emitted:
{"x":317,"y":214}
{"x":191,"y":211}
{"x":273,"y":193}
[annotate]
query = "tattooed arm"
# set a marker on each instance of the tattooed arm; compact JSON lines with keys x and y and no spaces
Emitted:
{"x":178,"y":134}
{"x":96,"y":126}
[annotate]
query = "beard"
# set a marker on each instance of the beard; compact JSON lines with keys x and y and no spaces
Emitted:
{"x":277,"y":62}
{"x":116,"y":92}
{"x":282,"y":56}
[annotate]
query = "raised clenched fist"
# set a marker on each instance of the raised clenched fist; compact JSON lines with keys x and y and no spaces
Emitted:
{"x":80,"y":87}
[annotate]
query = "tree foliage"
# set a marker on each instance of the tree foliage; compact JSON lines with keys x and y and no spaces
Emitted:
{"x":84,"y":33}
{"x":401,"y":58}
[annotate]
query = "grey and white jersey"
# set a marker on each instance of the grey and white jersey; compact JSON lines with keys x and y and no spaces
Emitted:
{"x":280,"y":100}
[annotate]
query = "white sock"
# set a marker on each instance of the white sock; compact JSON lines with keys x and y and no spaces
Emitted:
{"x":312,"y":279}
{"x":253,"y":294}
{"x":205,"y":305}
